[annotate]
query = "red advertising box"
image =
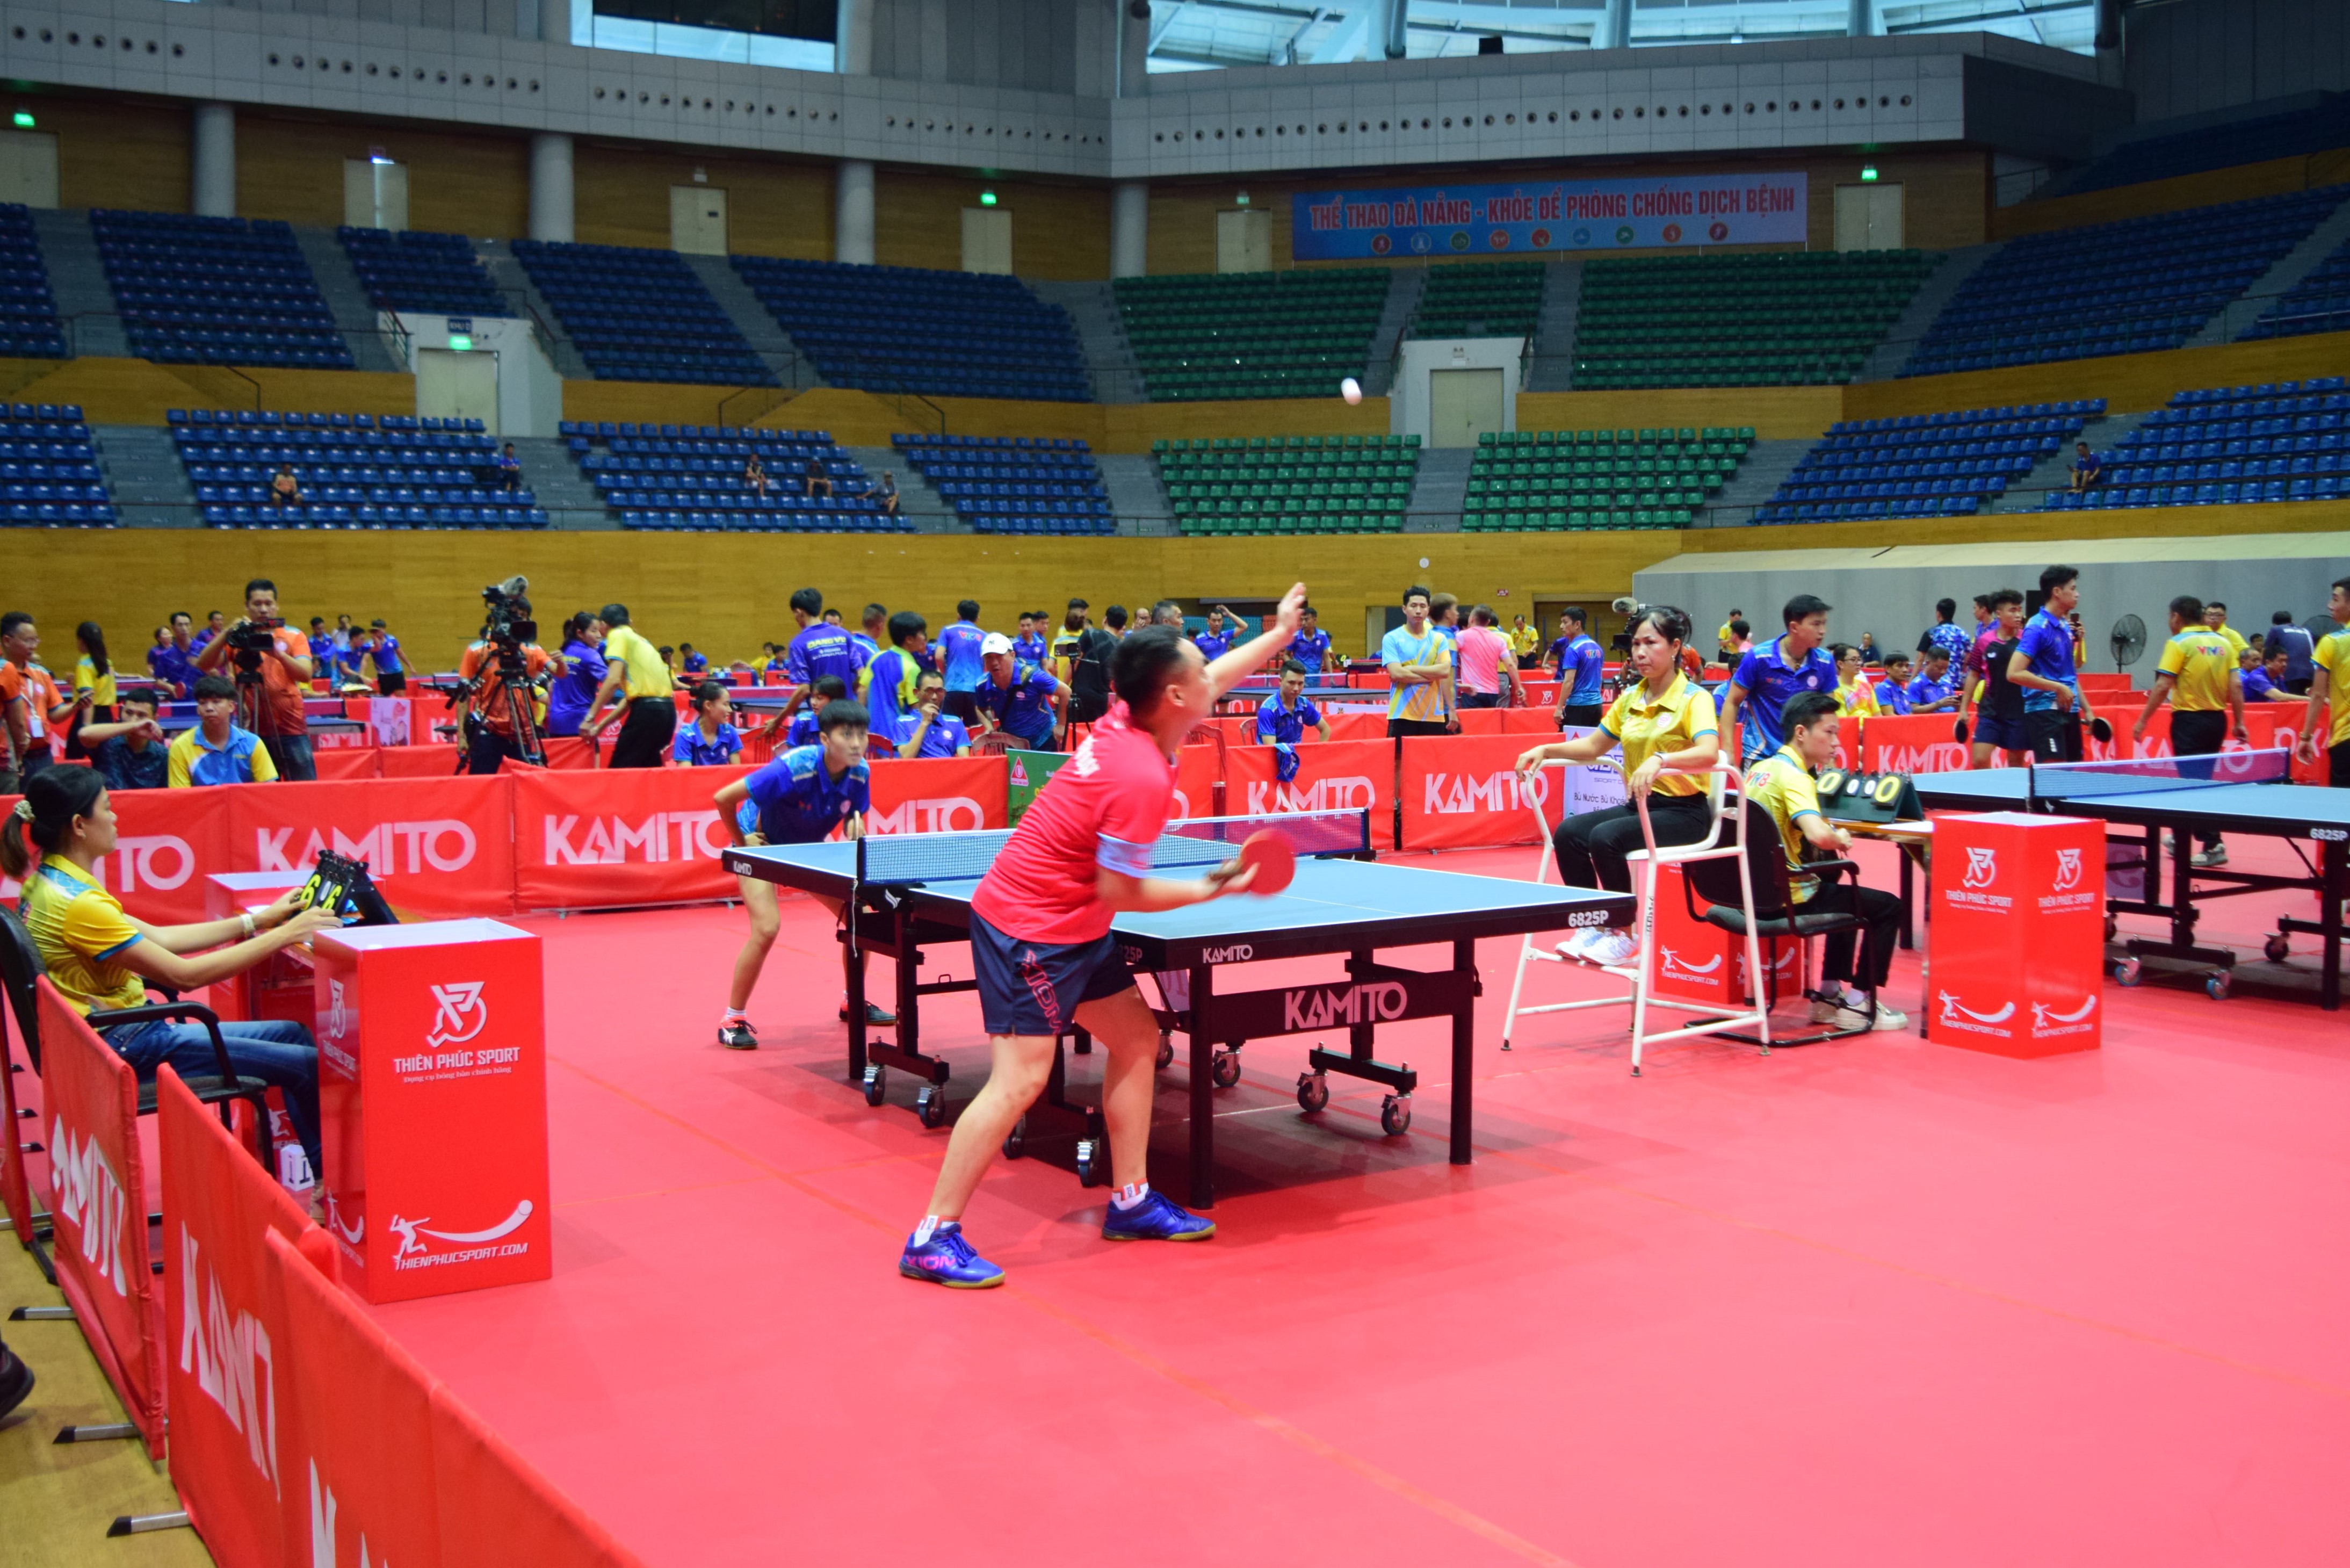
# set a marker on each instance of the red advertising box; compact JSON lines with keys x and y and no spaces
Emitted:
{"x":228,"y":894}
{"x":433,"y":1101}
{"x":2017,"y":966}
{"x":1703,"y":964}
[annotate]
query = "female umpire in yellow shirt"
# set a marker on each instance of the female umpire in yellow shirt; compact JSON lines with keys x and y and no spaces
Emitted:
{"x":1667,"y":727}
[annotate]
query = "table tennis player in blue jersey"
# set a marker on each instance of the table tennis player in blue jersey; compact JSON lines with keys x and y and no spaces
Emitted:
{"x":803,"y":796}
{"x":2054,"y":706}
{"x":803,"y":729}
{"x":1217,"y":640}
{"x":1582,"y":669}
{"x":886,"y":685}
{"x":820,"y":647}
{"x":1030,"y":644}
{"x":928,"y":731}
{"x":1017,"y":698}
{"x":1311,"y":647}
{"x":1282,"y":719}
{"x":1043,"y":956}
{"x":1770,"y":674}
{"x":956,"y":653}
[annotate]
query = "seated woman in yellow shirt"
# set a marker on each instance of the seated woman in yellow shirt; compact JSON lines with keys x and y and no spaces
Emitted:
{"x":1855,"y":698}
{"x":1784,"y":783}
{"x":1666,"y":725}
{"x":100,"y":959}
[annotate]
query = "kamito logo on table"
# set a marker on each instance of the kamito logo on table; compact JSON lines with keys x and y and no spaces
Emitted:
{"x":1327,"y":1007}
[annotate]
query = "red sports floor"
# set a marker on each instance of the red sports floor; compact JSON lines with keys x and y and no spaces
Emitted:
{"x":1869,"y":1303}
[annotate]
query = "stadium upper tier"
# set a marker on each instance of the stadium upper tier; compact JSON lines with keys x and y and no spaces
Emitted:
{"x":415,"y":271}
{"x":49,"y":476}
{"x":216,"y":291}
{"x":2131,"y":288}
{"x":2320,"y":302}
{"x":1784,"y":318}
{"x":2206,"y":148}
{"x":1923,"y":466}
{"x":28,"y":312}
{"x":641,"y":314}
{"x":351,"y":470}
{"x":1502,"y":300}
{"x":2284,"y":441}
{"x":696,"y":479}
{"x":1539,"y":481}
{"x":1252,"y":335}
{"x":895,"y":328}
{"x":1013,"y":485}
{"x":1289,"y":484}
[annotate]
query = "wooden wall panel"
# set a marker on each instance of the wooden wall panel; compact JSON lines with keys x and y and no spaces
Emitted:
{"x":2128,"y":382}
{"x":774,"y":206}
{"x":135,"y":393}
{"x":118,"y":151}
{"x":1059,"y":232}
{"x":289,"y":166}
{"x":2176,"y":195}
{"x":1777,"y":413}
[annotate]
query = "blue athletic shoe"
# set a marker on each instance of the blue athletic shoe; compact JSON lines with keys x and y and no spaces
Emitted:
{"x":946,"y":1259}
{"x":1157,"y":1218}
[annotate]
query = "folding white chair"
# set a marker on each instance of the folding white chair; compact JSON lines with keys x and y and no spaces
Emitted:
{"x":1716,"y":845}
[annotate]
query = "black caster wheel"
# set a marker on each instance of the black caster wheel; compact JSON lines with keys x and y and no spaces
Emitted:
{"x":1015,"y":1142}
{"x":2129,"y":972}
{"x":1224,"y":1070}
{"x":1166,"y":1048}
{"x":2215,"y":984}
{"x":1093,"y":1163}
{"x":2277,"y":949}
{"x":874,"y":1092}
{"x":1395,"y":1115}
{"x":2112,"y":926}
{"x":930,"y":1104}
{"x":1313,"y":1092}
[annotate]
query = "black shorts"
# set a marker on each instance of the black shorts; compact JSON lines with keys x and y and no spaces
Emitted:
{"x":388,"y":681}
{"x":963,"y":705}
{"x":1582,"y":715}
{"x":2053,"y":734}
{"x":1036,"y":988}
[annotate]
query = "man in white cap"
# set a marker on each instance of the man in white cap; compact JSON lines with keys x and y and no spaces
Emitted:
{"x":1018,"y":698}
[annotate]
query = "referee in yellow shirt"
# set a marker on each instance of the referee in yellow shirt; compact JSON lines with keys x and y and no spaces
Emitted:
{"x":636,"y":674}
{"x":2198,"y":674}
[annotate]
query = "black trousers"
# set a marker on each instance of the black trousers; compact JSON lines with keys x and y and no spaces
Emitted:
{"x":390,"y":683}
{"x":963,"y":705}
{"x":1876,"y":939}
{"x":486,"y":749}
{"x":645,"y":734}
{"x":1582,"y":715}
{"x":1592,"y":849}
{"x":2337,"y":765}
{"x":1481,"y":699}
{"x":2199,"y":733}
{"x":1401,"y":727}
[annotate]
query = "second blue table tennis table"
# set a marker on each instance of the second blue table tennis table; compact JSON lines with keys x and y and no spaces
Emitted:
{"x":2233,"y":792}
{"x":909,"y":892}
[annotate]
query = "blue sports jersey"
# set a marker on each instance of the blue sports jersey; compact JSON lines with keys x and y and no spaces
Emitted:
{"x":887,"y":689}
{"x":819,"y":650}
{"x":1031,"y":647}
{"x":944,"y":738}
{"x":1770,"y":684}
{"x":695,"y":663}
{"x":180,"y":668}
{"x":958,"y":654}
{"x":864,"y":646}
{"x":799,"y":803}
{"x":2048,"y":648}
{"x":1951,"y":638}
{"x":1024,"y":707}
{"x":1925,"y":691}
{"x":1582,"y":670}
{"x":801,"y":729}
{"x":386,"y":654}
{"x":1278,"y":725}
{"x":1311,"y":649}
{"x":1893,"y":696}
{"x":1213,"y":645}
{"x":2257,"y":687}
{"x":690,"y":750}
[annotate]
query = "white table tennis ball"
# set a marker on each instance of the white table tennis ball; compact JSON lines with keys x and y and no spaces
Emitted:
{"x":1351,"y":390}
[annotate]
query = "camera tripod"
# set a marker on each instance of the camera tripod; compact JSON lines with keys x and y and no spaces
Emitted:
{"x":511,"y":691}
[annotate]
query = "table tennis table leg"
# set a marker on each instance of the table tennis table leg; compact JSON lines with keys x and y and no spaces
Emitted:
{"x":1203,"y":1088}
{"x":856,"y":1002}
{"x":2334,"y":887}
{"x":1908,"y":938}
{"x":1464,"y":1053}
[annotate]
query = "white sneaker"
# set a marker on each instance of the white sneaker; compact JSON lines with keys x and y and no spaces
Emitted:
{"x":1614,"y":950}
{"x":1888,"y":1019}
{"x":1827,"y":1007}
{"x":2215,"y":856}
{"x":1576,"y":949}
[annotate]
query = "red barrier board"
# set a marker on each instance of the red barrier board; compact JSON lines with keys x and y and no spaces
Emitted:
{"x":1339,"y":775}
{"x":97,"y":1207}
{"x":1460,"y":791}
{"x":1199,"y":778}
{"x":344,"y":764}
{"x":496,"y":1510}
{"x":359,"y":1490}
{"x":941,"y":794}
{"x":435,"y":847}
{"x":610,"y":839}
{"x":426,"y":762}
{"x":227,"y":1381}
{"x":2018,"y":934}
{"x":16,"y":1179}
{"x":432,"y":1105}
{"x":1911,"y":744}
{"x":165,"y":840}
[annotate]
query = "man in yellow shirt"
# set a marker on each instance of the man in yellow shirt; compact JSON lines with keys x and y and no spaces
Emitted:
{"x":637,"y":675}
{"x":218,"y":751}
{"x":1525,"y":641}
{"x":2328,"y":713}
{"x":2198,"y":673}
{"x":1785,"y":784}
{"x":2215,"y":618}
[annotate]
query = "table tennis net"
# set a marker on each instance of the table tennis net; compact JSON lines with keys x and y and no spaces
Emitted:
{"x":2149,"y":775}
{"x":1186,"y":847}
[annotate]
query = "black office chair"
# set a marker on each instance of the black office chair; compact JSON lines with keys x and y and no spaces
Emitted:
{"x":1775,"y":913}
{"x":20,"y":965}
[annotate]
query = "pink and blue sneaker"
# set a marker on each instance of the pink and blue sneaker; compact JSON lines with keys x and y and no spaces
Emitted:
{"x":1156,"y":1219}
{"x":946,"y":1259}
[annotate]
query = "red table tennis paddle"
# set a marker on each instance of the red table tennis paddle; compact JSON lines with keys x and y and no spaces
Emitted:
{"x":1275,"y":861}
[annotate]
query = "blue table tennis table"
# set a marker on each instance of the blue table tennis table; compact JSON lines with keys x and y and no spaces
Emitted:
{"x":2235,"y":792}
{"x":908,"y":892}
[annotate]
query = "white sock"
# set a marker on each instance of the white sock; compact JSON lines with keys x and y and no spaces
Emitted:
{"x":931,"y":1226}
{"x":1131,"y":1195}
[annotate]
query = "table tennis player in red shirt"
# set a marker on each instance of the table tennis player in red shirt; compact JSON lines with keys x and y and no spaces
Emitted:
{"x":1041,"y":944}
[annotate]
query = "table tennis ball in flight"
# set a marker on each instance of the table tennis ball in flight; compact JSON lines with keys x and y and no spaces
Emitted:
{"x":1351,"y":390}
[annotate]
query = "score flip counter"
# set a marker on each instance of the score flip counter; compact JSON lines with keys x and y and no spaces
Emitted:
{"x":2016,"y":964}
{"x":433,"y":1097}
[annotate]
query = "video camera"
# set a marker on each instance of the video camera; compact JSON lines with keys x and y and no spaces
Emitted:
{"x":504,"y":627}
{"x":249,"y":640}
{"x":1631,"y":609}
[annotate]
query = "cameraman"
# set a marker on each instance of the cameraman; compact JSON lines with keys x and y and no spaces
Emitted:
{"x":489,"y":715}
{"x":264,"y":647}
{"x":635,"y":678}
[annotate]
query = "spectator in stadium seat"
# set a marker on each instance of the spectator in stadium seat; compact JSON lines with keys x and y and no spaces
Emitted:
{"x":285,"y":490}
{"x":218,"y":750}
{"x":2088,"y":468}
{"x":711,"y":740}
{"x":754,"y":475}
{"x":636,"y":681}
{"x":816,"y":480}
{"x":888,"y":494}
{"x":131,"y":752}
{"x":509,"y":470}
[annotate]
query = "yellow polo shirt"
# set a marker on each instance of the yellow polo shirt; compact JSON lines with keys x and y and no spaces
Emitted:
{"x":2236,"y":643}
{"x":1790,"y":791}
{"x":80,"y":933}
{"x":1671,"y":723}
{"x":642,"y":673}
{"x":2333,"y":656}
{"x":2202,"y":665}
{"x":1856,"y":700}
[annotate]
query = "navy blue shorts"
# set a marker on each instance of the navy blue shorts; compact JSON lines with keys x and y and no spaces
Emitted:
{"x":1036,"y":988}
{"x":2007,"y":736}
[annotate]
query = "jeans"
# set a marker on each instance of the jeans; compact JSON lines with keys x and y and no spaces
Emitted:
{"x":280,"y":1053}
{"x":292,"y":756}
